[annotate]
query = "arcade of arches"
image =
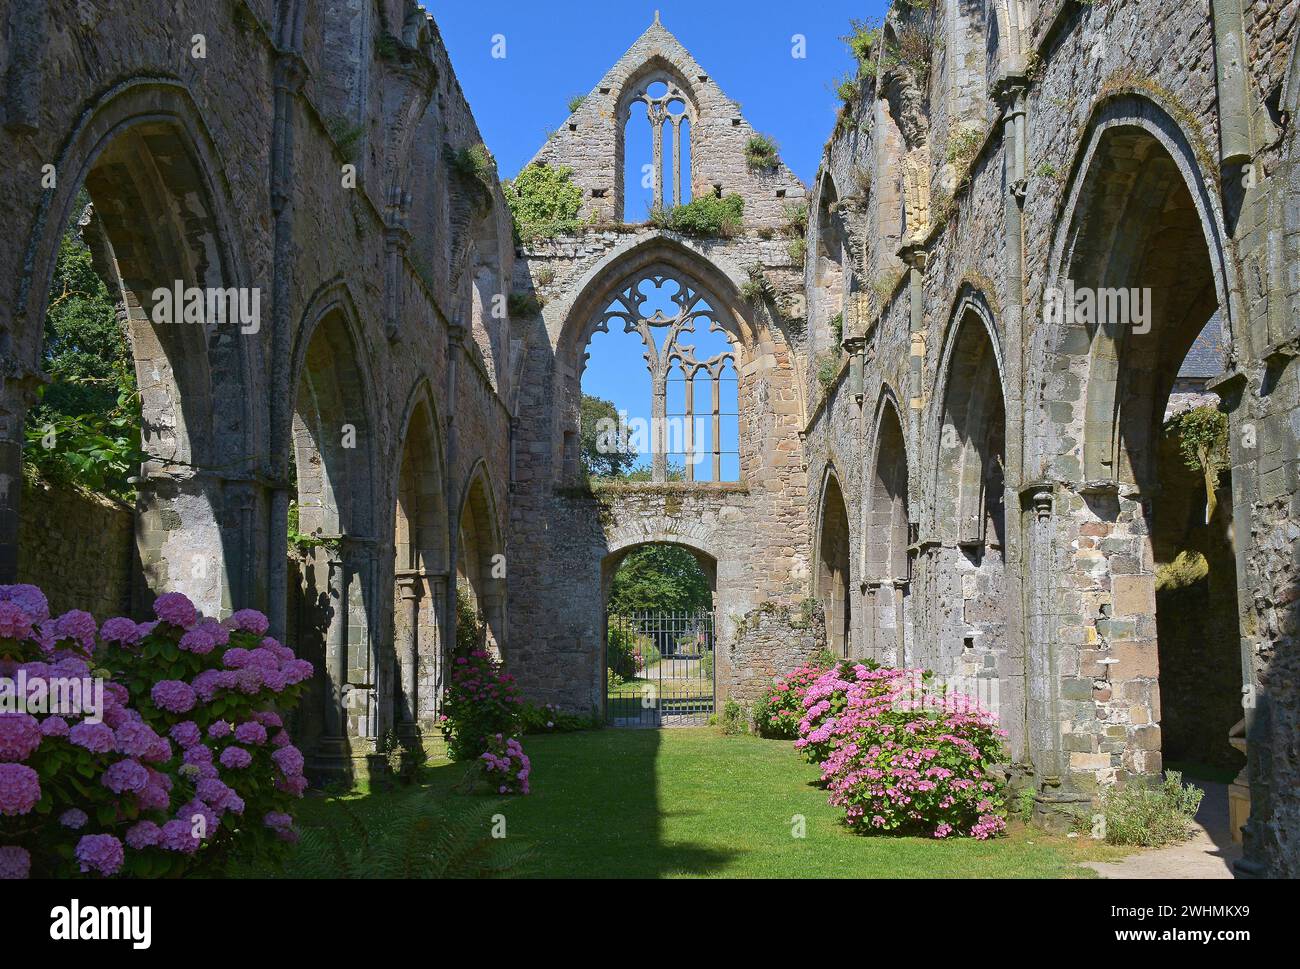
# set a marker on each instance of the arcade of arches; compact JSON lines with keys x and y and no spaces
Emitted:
{"x":962,"y":430}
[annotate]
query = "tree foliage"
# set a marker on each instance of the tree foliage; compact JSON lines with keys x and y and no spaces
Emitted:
{"x":85,"y":426}
{"x":1203,"y":441}
{"x":599,"y":460}
{"x":664,"y":577}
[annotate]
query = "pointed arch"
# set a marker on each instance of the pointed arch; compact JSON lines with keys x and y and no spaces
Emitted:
{"x":161,"y":220}
{"x":480,"y":552}
{"x":831,"y":558}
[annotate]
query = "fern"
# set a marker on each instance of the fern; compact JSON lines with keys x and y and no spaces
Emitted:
{"x":405,"y":836}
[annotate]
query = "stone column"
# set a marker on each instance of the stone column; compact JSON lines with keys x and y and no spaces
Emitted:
{"x":407,"y":647}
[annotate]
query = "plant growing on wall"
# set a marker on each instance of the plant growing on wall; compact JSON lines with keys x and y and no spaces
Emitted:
{"x":575,"y":102}
{"x":761,"y":153}
{"x":475,"y":164}
{"x":705,"y":217}
{"x":543,"y":202}
{"x":1203,"y":441}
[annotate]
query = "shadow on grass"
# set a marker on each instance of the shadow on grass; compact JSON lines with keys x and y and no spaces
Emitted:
{"x":594,"y":812}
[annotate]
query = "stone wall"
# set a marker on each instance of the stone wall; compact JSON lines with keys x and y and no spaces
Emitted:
{"x":769,"y":642}
{"x":79,"y":548}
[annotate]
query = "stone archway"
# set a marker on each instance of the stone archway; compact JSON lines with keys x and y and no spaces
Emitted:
{"x":334,"y":561}
{"x":1140,"y":266}
{"x":420,"y":551}
{"x":480,"y":559}
{"x":832,"y":567}
{"x":159,"y":226}
{"x":887,"y":577}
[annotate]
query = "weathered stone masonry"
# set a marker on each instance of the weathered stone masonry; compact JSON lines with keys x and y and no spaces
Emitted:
{"x":307,"y":155}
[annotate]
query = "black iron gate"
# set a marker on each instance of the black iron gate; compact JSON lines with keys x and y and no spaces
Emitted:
{"x":660,"y":669}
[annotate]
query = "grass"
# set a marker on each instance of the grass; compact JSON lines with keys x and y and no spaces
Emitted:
{"x":693,"y":803}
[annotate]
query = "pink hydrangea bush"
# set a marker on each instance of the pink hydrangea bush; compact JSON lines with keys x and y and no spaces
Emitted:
{"x":899,"y":755}
{"x":780,"y":709}
{"x":481,"y":701}
{"x":505,"y":765}
{"x":185,"y":765}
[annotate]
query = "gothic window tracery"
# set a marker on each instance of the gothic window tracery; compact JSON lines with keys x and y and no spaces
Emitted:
{"x":693,"y":430}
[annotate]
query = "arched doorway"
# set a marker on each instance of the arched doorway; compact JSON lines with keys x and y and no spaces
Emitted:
{"x":969,"y":495}
{"x":480,"y":568}
{"x":660,"y":635}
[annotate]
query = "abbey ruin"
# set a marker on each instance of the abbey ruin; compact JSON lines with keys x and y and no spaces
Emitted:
{"x":951,"y":383}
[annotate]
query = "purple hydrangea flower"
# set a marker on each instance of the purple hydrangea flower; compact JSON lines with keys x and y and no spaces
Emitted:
{"x":74,"y":818}
{"x":219,"y":633}
{"x":236,"y":758}
{"x":54,"y":727}
{"x":219,"y":729}
{"x":174,"y":696}
{"x":289,"y":759}
{"x":20,"y":789}
{"x":251,"y":732}
{"x":278,"y":821}
{"x":154,"y":797}
{"x":236,"y":658}
{"x":144,"y":834}
{"x":119,"y":630}
{"x":207,"y":683}
{"x":175,"y":608}
{"x":100,"y":852}
{"x":177,"y":836}
{"x":14,"y":622}
{"x":29,"y":599}
{"x":98,"y":738}
{"x":135,"y":738}
{"x":126,"y":775}
{"x":268,"y":718}
{"x":186,"y":733}
{"x":197,"y":641}
{"x":15,"y":863}
{"x":79,"y":625}
{"x":250,"y":621}
{"x":159,"y":752}
{"x":20,"y":735}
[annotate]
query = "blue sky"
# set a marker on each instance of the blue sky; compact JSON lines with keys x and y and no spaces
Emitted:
{"x":562,"y":48}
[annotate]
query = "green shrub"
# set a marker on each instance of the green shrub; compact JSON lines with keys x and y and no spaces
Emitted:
{"x":543,"y":202}
{"x":734,"y":721}
{"x":707,"y":216}
{"x":475,"y":164}
{"x":761,"y":153}
{"x":1150,"y":817}
{"x":629,"y":653}
{"x":548,"y":718}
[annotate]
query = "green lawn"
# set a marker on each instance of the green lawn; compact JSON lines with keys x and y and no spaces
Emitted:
{"x":692,"y":802}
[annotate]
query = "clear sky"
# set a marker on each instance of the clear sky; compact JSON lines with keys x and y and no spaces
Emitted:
{"x":562,"y":48}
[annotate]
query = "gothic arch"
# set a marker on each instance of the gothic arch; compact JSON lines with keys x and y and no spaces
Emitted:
{"x":831,"y":563}
{"x":968,"y":425}
{"x":887,"y":534}
{"x":661,"y":114}
{"x":162,"y":214}
{"x":709,"y":292}
{"x":480,"y":553}
{"x":830,"y":263}
{"x":1115,"y":232}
